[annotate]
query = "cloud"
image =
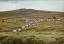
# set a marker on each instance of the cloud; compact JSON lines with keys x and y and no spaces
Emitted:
{"x":11,"y":0}
{"x":31,"y":0}
{"x":39,"y":5}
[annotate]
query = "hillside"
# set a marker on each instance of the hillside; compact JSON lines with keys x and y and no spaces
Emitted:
{"x":29,"y":26}
{"x":26,"y":19}
{"x":30,"y":12}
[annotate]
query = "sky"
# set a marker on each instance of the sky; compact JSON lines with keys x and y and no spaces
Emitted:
{"x":48,"y":5}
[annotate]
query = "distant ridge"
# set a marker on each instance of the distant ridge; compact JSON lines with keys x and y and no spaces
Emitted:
{"x":29,"y":12}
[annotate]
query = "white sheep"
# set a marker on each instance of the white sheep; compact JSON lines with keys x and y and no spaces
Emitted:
{"x":14,"y":30}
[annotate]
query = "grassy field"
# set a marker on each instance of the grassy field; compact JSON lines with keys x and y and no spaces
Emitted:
{"x":45,"y":32}
{"x":36,"y":27}
{"x":32,"y":37}
{"x":9,"y":23}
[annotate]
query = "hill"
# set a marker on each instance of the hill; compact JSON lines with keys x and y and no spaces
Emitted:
{"x":29,"y":12}
{"x":28,"y":19}
{"x":29,"y":26}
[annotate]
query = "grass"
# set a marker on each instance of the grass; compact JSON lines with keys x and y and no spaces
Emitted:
{"x":46,"y":32}
{"x":33,"y":37}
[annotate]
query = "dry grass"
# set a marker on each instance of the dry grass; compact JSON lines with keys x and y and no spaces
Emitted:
{"x":32,"y":37}
{"x":44,"y":32}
